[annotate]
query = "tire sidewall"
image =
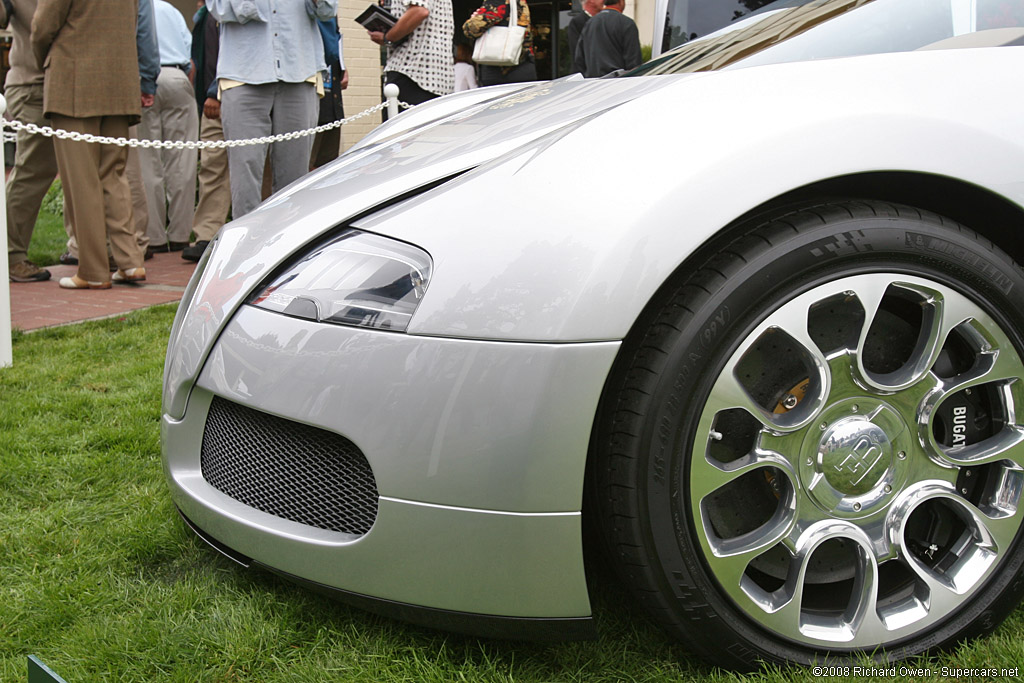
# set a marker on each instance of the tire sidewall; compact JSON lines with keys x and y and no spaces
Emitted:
{"x":808,"y":257}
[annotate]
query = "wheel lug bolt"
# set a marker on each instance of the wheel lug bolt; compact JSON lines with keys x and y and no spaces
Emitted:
{"x":856,"y":507}
{"x":888,"y":489}
{"x":901,"y":455}
{"x":823,"y":426}
{"x":855,"y":407}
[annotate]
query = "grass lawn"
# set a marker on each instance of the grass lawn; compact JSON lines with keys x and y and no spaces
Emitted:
{"x":100,"y":579}
{"x":49,"y":240}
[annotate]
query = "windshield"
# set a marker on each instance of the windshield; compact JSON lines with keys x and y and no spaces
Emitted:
{"x":800,"y":30}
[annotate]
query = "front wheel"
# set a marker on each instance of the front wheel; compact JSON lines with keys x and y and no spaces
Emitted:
{"x":813,"y":445}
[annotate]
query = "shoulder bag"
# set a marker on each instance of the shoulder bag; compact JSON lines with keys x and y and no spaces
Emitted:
{"x":501,"y":45}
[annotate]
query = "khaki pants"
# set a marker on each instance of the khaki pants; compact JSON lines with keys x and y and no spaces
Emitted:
{"x":169,"y":175}
{"x":214,"y":183}
{"x":140,"y":216}
{"x":96,"y":195}
{"x":35,"y":167}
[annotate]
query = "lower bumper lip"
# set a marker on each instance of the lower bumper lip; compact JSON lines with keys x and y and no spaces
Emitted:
{"x":546,"y":629}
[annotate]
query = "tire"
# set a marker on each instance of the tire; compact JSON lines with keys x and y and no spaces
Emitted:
{"x":811,"y":445}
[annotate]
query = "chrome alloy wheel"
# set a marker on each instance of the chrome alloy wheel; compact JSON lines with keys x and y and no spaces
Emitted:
{"x":857,"y":470}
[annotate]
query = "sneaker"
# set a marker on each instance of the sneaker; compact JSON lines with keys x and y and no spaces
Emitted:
{"x":195,"y":252}
{"x":26,"y":271}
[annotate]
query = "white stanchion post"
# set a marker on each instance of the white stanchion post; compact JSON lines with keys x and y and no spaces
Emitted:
{"x":6,"y":355}
{"x":391,"y":95}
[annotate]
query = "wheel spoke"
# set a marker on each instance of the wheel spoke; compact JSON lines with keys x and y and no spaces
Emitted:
{"x":865,"y":624}
{"x":997,"y":360}
{"x":942,"y":312}
{"x":711,"y":475}
{"x":970,"y":558}
{"x":731,"y":557}
{"x":729,"y":393}
{"x":784,"y":609}
{"x":1008,"y":444}
{"x":791,"y":321}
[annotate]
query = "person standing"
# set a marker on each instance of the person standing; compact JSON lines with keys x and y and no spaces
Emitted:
{"x":327,"y":144}
{"x":576,"y":24}
{"x":35,"y":165}
{"x":91,"y":85}
{"x":497,"y":13}
{"x":419,"y":47}
{"x":609,"y":42}
{"x":169,"y":175}
{"x":149,"y":69}
{"x":214,"y":182}
{"x":465,"y":68}
{"x":268,"y":71}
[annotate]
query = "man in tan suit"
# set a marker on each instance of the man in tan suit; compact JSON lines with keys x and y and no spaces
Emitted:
{"x":90,"y":62}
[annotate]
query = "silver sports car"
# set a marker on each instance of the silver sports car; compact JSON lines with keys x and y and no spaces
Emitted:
{"x":754,"y":309}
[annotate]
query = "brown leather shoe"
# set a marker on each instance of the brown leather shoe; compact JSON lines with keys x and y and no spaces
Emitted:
{"x":26,"y":271}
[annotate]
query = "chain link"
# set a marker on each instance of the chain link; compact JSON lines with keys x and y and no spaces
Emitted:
{"x":47,"y":131}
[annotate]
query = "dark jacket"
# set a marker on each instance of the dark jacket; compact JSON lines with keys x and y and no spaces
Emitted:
{"x":609,"y":41}
{"x":205,"y":46}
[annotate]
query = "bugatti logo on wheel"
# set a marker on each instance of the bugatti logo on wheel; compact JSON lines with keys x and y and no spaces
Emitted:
{"x":861,"y":460}
{"x":855,"y":455}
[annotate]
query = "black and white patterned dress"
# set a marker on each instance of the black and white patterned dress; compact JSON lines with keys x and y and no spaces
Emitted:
{"x":426,"y":55}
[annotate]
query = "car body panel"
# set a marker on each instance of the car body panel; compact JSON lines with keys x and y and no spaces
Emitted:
{"x":471,"y":424}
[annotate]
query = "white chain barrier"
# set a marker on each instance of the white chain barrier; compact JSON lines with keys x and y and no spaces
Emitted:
{"x":392,"y":104}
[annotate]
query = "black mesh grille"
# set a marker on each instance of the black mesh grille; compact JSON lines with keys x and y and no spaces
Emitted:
{"x":288,"y":469}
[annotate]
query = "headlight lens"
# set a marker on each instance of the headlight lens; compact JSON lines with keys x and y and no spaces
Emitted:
{"x":357,"y":279}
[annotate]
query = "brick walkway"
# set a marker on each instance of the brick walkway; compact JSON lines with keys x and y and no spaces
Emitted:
{"x":35,"y":305}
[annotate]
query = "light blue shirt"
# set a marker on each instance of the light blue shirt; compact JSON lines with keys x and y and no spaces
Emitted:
{"x":172,"y":35}
{"x":264,"y":41}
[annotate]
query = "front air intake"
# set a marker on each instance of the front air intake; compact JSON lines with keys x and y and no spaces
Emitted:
{"x":288,"y":469}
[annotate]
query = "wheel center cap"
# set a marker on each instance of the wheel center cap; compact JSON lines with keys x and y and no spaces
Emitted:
{"x":855,"y":455}
{"x":856,"y":463}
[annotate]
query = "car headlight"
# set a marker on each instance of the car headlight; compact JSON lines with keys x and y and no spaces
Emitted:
{"x":356,"y":279}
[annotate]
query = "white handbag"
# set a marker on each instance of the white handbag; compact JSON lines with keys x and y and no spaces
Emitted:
{"x":501,"y":45}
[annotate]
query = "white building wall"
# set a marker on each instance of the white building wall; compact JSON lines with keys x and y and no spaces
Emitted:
{"x":362,"y":60}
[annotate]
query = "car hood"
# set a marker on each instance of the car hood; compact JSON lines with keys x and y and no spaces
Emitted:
{"x":449,"y":135}
{"x":403,"y":157}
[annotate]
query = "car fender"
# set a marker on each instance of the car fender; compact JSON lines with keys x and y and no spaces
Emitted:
{"x":568,"y":238}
